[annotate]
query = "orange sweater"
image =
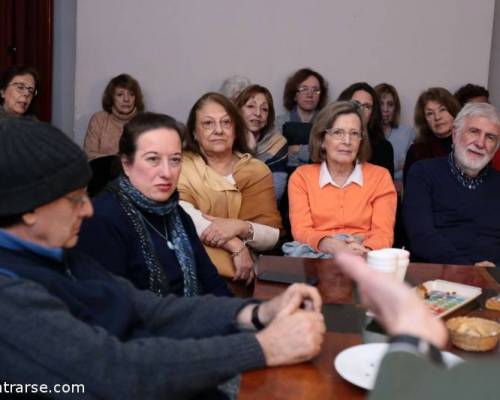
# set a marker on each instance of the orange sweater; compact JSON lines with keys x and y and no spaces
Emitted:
{"x":367,"y":210}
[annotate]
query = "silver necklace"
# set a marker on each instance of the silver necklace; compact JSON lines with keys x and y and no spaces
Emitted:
{"x":164,"y":236}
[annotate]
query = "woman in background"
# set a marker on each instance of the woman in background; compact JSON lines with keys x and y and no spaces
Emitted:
{"x":399,"y":135}
{"x":228,"y":193}
{"x":365,"y":96}
{"x":305,"y":93}
{"x":138,"y":230}
{"x":233,"y":86}
{"x":18,"y":88}
{"x":269,"y":145}
{"x":341,"y":202}
{"x":472,"y":93}
{"x":435,"y":112}
{"x":121,"y":101}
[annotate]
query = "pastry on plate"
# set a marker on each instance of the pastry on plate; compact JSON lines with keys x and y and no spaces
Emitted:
{"x":473,"y":334}
{"x":493,"y":303}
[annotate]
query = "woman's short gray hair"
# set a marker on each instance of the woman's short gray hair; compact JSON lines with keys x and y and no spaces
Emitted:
{"x":233,"y":86}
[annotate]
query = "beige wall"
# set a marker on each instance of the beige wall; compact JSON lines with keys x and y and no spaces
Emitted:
{"x":180,"y":49}
{"x":494,"y":79}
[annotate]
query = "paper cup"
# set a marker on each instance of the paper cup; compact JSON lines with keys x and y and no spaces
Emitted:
{"x":390,"y":261}
{"x":382,"y":261}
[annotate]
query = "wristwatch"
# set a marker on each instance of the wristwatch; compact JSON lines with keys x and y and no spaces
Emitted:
{"x":416,"y":345}
{"x":255,"y":318}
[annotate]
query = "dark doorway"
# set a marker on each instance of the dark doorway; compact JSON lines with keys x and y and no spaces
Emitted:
{"x":26,"y":38}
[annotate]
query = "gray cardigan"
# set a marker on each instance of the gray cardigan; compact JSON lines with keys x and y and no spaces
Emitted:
{"x":41,"y":342}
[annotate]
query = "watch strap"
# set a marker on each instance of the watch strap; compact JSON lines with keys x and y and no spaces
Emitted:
{"x":255,"y":318}
{"x":419,"y":346}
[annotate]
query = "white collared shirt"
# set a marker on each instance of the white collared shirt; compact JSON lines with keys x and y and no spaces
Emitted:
{"x":325,"y":178}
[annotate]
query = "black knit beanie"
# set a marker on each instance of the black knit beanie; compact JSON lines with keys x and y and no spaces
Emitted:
{"x":38,"y":164}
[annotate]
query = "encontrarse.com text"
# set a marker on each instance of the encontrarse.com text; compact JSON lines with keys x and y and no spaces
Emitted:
{"x":32,"y":388}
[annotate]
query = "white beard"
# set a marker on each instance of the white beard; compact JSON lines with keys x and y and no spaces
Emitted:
{"x":468,"y":162}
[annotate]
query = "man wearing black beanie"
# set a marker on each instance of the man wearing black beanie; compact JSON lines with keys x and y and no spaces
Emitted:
{"x":65,"y":320}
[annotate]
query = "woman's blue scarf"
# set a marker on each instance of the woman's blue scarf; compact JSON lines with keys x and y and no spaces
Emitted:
{"x":132,"y":200}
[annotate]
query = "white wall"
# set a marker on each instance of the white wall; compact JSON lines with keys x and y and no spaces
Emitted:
{"x":181,"y":49}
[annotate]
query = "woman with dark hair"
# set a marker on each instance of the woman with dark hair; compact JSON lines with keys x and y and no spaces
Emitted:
{"x":341,"y":202}
{"x":305,"y":93}
{"x":399,"y":135}
{"x":18,"y":88}
{"x":228,"y":193}
{"x":366,"y":97}
{"x":435,"y":112}
{"x":121,"y":101}
{"x":139,"y":231}
{"x":257,"y":109}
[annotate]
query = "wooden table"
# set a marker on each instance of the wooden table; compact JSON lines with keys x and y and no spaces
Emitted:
{"x":318,"y":378}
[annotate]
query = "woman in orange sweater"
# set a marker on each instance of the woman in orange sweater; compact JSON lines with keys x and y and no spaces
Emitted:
{"x":341,"y":202}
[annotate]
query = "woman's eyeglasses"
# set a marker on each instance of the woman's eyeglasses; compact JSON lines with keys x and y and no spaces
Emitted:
{"x":341,"y":134}
{"x":308,"y":90}
{"x":210,"y":125}
{"x":22,"y":88}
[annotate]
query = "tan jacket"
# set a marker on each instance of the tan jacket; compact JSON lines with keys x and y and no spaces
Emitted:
{"x":251,"y":198}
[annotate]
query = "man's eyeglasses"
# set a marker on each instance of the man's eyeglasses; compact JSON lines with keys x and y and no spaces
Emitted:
{"x":308,"y":90}
{"x":78,"y":200}
{"x":341,"y":134}
{"x":22,"y":88}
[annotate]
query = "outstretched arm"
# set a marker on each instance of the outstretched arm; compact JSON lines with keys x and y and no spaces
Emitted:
{"x":397,"y":307}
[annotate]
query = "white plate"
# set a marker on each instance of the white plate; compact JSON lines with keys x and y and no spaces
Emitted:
{"x":443,"y":307}
{"x":464,"y":293}
{"x":359,"y":364}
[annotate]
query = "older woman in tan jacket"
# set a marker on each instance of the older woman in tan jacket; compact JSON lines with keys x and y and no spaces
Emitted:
{"x":228,"y":193}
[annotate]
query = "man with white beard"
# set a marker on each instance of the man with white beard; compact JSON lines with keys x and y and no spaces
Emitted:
{"x":451,"y":204}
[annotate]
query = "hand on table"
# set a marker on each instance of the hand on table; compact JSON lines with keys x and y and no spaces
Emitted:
{"x":397,"y":307}
{"x":292,"y":299}
{"x":293,"y":334}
